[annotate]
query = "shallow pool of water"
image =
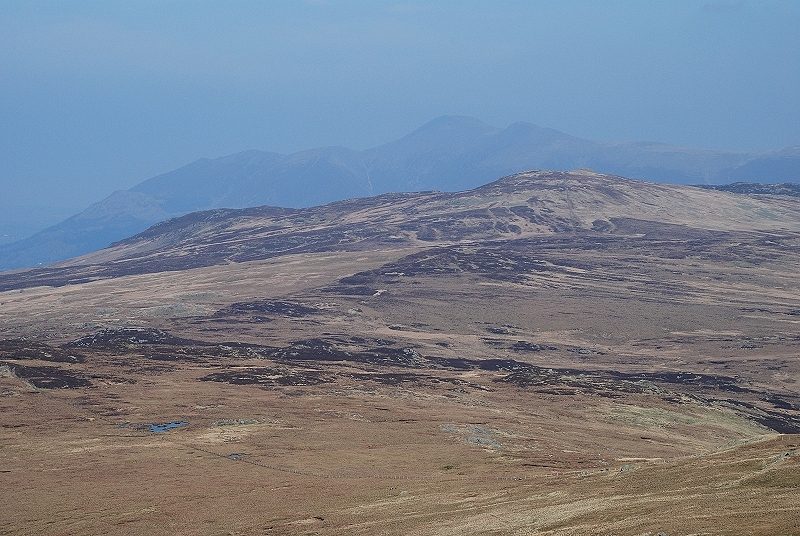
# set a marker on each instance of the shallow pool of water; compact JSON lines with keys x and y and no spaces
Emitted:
{"x":158,"y":428}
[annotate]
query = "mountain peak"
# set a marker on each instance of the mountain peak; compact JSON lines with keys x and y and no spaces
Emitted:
{"x":544,"y":176}
{"x":445,"y":136}
{"x":528,"y":179}
{"x":455,"y":121}
{"x":458,"y":125}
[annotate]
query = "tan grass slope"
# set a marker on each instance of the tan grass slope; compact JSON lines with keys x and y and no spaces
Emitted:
{"x":549,"y":354}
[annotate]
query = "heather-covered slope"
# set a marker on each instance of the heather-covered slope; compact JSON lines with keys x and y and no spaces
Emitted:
{"x":518,"y":206}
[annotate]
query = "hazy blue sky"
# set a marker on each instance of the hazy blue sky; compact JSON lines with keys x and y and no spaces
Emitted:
{"x":98,"y":95}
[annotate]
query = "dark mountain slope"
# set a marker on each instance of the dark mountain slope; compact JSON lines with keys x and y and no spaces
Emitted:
{"x":121,"y":214}
{"x":241,"y":180}
{"x":781,"y":166}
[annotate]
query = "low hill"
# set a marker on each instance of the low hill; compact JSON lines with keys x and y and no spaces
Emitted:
{"x":522,"y":205}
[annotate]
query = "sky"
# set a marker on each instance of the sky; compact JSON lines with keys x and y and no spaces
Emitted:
{"x":96,"y":96}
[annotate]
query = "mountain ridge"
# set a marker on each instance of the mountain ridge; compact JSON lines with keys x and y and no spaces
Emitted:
{"x":449,"y":153}
{"x":524,"y":205}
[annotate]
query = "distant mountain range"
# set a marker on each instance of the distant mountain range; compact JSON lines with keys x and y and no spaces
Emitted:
{"x":450,"y":153}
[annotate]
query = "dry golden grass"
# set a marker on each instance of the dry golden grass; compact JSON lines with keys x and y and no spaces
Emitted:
{"x":637,"y":382}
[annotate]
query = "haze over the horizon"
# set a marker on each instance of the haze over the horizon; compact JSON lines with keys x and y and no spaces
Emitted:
{"x":100,"y":95}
